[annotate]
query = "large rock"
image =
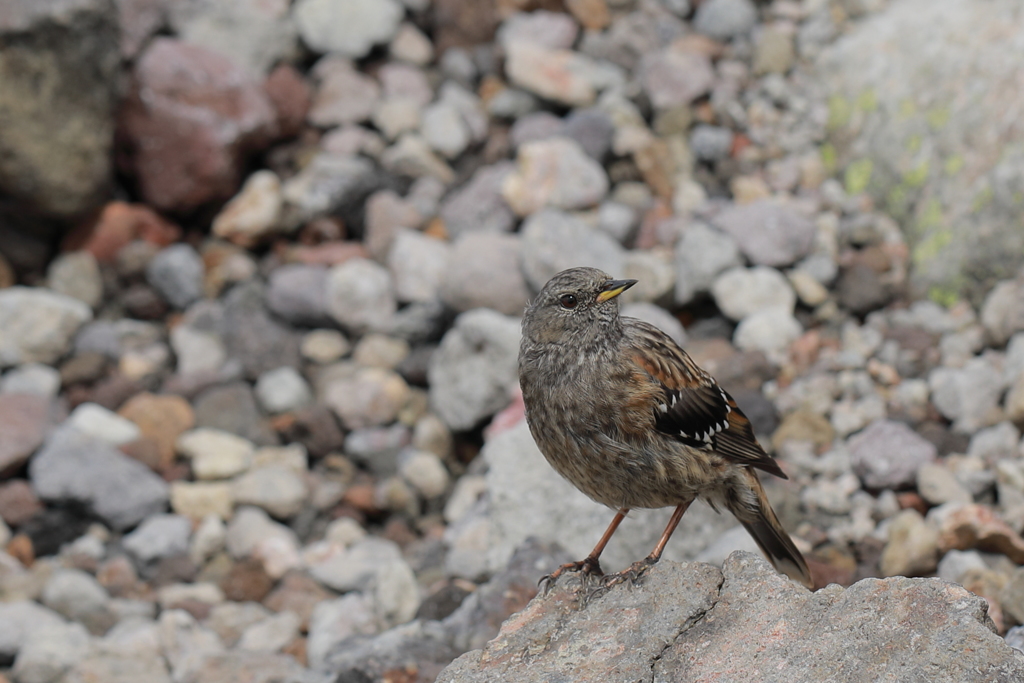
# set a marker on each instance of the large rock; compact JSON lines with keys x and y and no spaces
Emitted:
{"x":72,"y":466}
{"x":191,"y":118}
{"x":475,"y":368}
{"x":915,"y":92}
{"x":58,"y":87}
{"x":693,"y":623}
{"x":37,"y":325}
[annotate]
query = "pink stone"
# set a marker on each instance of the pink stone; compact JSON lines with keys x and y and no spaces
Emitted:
{"x":191,"y":118}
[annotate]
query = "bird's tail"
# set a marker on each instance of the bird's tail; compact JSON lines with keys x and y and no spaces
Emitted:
{"x":756,"y":514}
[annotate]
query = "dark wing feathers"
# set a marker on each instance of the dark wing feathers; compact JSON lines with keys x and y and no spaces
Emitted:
{"x":694,"y":408}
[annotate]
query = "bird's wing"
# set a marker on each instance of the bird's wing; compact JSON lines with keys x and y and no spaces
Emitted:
{"x":693,"y":407}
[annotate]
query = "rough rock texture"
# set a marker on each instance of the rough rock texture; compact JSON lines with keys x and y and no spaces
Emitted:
{"x":57,"y":138}
{"x":692,"y":622}
{"x":918,"y":111}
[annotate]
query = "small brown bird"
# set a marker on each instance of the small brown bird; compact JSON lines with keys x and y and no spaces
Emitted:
{"x":628,"y":418}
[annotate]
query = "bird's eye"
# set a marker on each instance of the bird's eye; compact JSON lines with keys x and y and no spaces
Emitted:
{"x":568,"y":300}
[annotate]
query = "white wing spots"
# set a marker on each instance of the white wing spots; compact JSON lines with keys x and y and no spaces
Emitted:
{"x":663,"y":407}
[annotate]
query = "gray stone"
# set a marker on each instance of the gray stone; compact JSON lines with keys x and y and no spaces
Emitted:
{"x":252,"y":336}
{"x":329,"y":183}
{"x":344,"y":95}
{"x":365,"y":397}
{"x":95,"y":420}
{"x":75,"y":594}
{"x":232,"y":408}
{"x":425,"y":472}
{"x":702,"y":253}
{"x":523,"y":493}
{"x":418,"y":264}
{"x":929,"y":630}
{"x":159,"y":536}
{"x":478,"y":205}
{"x":348,"y":27}
{"x":740,"y":292}
{"x":360,"y":296}
{"x":887,"y":454}
{"x":251,"y":527}
{"x":18,"y":619}
{"x":1003,"y":311}
{"x":725,"y":19}
{"x":298,"y":293}
{"x":770,"y":330}
{"x":177,"y":274}
{"x":130,"y":668}
{"x":77,"y":274}
{"x":56,"y":151}
{"x":411,"y":156}
{"x":955,"y":563}
{"x":276,"y":488}
{"x":334,"y":621}
{"x":230,"y":619}
{"x":186,"y":644}
{"x":564,"y":76}
{"x":554,"y":172}
{"x":768,"y":232}
{"x":969,"y":395}
{"x":36,"y":325}
{"x":916,"y":148}
{"x":72,"y":466}
{"x":255,"y":35}
{"x":33,"y":379}
{"x":49,"y":652}
{"x":485,"y":271}
{"x":995,"y":443}
{"x":554,"y":240}
{"x":282,"y":390}
{"x":272,"y":634}
{"x":675,"y":77}
{"x":938,"y":485}
{"x":711,"y":143}
{"x":444,"y":130}
{"x":475,"y":368}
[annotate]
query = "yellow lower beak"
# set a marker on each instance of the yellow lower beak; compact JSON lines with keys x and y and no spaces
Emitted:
{"x":614,"y":288}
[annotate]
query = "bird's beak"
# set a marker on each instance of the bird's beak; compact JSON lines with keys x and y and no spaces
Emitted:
{"x":613,"y":288}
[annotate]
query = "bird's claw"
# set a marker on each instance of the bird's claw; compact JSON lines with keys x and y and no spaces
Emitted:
{"x":587,"y":567}
{"x":632,"y":573}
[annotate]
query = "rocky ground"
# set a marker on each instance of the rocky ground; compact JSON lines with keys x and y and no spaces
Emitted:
{"x":261,"y":272}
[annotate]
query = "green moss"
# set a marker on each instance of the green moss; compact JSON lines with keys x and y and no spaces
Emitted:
{"x":839,"y":112}
{"x":917,"y":176}
{"x":953,"y":165}
{"x":857,"y":176}
{"x":944,"y":295}
{"x":932,"y":216}
{"x":867,"y":100}
{"x":937,"y":117}
{"x":897,"y":200}
{"x":982,"y":199}
{"x":932,"y":246}
{"x":829,"y":158}
{"x":907,"y":109}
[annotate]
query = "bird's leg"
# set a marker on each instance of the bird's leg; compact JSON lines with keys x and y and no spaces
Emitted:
{"x":635,"y":570}
{"x":590,"y":564}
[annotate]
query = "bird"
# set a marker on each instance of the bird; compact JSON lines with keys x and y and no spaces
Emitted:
{"x":623,"y":413}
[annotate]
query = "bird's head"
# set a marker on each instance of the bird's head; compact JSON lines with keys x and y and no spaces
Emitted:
{"x":574,"y":304}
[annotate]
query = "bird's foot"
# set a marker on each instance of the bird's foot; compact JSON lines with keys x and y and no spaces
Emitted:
{"x":587,"y":567}
{"x":632,"y":573}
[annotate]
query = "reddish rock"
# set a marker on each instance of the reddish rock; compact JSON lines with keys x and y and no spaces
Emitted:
{"x":326,"y":254}
{"x":21,"y":549}
{"x":290,"y":95}
{"x":18,"y":502}
{"x":247,"y":581}
{"x":117,"y":225}
{"x":160,"y":418}
{"x":975,"y":526}
{"x":191,"y":118}
{"x":23,"y":423}
{"x":297,"y":593}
